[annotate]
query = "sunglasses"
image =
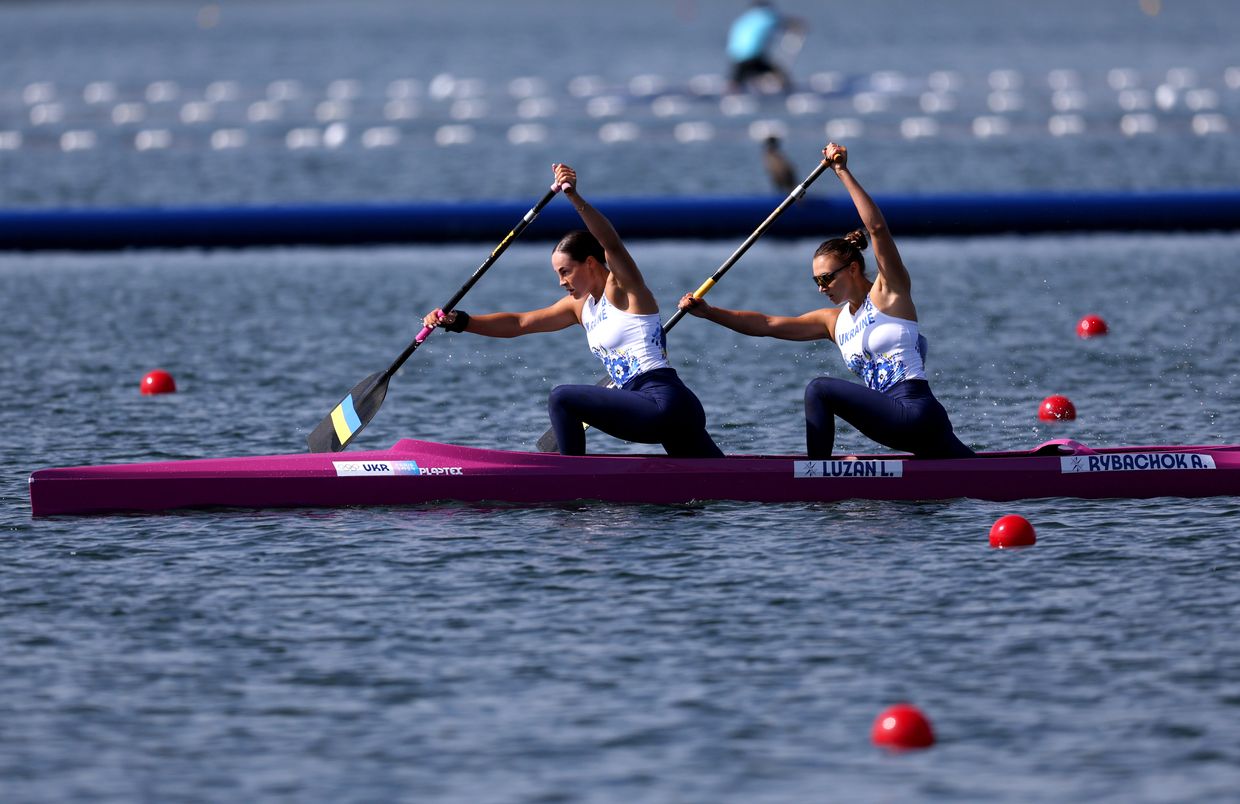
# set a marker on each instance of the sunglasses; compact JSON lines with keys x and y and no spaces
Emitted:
{"x":824,"y":280}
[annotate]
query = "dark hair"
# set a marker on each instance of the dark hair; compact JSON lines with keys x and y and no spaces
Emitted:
{"x":580,"y":244}
{"x":848,"y":248}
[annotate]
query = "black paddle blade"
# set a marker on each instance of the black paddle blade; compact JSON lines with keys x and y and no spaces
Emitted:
{"x":548,"y":442}
{"x":348,"y":418}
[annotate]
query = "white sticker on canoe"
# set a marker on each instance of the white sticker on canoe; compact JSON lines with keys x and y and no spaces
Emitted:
{"x":848,"y":468}
{"x":369,"y":468}
{"x":1135,"y":462}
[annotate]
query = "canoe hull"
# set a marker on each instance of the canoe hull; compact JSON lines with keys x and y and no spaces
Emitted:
{"x":418,"y":472}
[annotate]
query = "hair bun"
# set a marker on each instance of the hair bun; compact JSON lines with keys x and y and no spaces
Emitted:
{"x":857,"y":238}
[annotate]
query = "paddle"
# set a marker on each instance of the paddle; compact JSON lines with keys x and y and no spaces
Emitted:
{"x":356,"y":410}
{"x":548,"y":443}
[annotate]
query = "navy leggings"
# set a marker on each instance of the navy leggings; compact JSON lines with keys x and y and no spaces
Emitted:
{"x":652,"y":408}
{"x":906,"y":417}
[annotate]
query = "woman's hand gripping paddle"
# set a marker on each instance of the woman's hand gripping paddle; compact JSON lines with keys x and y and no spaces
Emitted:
{"x":356,"y":410}
{"x":548,"y":442}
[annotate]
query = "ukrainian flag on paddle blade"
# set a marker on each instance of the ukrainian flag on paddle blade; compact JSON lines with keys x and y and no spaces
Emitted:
{"x":345,"y":420}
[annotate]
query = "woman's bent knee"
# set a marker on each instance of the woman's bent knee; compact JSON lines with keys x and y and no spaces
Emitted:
{"x":821,"y":389}
{"x":559,"y":397}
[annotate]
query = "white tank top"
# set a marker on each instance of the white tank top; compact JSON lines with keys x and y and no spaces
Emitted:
{"x":627,"y":344}
{"x":880,"y":349}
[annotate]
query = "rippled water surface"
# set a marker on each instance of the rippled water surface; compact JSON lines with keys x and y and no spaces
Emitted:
{"x":705,"y":652}
{"x":697,"y":653}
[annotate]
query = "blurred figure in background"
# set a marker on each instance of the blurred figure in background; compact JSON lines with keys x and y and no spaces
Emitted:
{"x":750,"y":39}
{"x":783,"y":175}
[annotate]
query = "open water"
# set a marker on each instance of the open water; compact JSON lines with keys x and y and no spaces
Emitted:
{"x":699,"y":653}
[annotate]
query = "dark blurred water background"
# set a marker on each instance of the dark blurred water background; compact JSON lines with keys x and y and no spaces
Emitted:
{"x":709,"y":652}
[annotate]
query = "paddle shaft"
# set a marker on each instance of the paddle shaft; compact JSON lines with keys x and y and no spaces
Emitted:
{"x":793,"y":197}
{"x":473,"y":279}
{"x":547,"y":442}
{"x":361,"y":404}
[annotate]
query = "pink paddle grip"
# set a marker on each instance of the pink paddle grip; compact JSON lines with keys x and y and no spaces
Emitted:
{"x":426,"y":331}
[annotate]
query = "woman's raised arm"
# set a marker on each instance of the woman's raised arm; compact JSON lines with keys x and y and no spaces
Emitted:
{"x":891,"y":270}
{"x":624,"y":271}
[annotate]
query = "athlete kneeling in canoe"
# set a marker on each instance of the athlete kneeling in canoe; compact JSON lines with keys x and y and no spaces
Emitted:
{"x":608,"y":296}
{"x":876,"y":329}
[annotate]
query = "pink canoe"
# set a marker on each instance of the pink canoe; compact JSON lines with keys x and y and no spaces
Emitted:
{"x":415,"y":472}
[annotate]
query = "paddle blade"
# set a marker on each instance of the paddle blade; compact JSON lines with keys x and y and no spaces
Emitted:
{"x":548,"y":442}
{"x":348,"y":418}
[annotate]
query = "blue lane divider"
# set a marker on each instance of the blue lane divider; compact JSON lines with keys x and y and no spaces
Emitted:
{"x":663,"y":218}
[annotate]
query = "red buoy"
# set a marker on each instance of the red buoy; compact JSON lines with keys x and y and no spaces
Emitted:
{"x":1012,"y":530}
{"x":1091,"y":326}
{"x":1056,"y":408}
{"x":158,"y":382}
{"x":902,"y":727}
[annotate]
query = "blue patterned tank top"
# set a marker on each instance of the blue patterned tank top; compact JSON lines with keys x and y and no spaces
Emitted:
{"x":628,"y":344}
{"x":880,"y":349}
